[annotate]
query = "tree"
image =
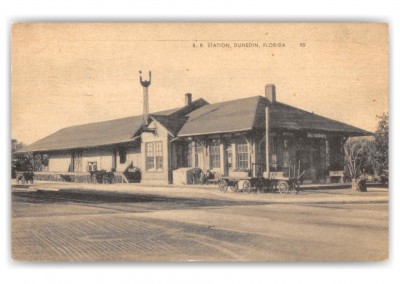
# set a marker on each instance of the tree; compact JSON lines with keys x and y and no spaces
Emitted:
{"x":381,"y":151}
{"x":356,"y":155}
{"x":20,"y":161}
{"x":26,"y":162}
{"x":367,"y":156}
{"x":357,"y":152}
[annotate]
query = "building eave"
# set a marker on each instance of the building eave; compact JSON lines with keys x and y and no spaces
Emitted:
{"x":22,"y":151}
{"x":214,"y":132}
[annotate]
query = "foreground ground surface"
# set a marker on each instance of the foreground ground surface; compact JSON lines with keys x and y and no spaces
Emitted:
{"x":53,"y":222}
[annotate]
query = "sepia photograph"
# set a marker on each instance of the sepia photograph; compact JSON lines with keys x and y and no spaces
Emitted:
{"x":199,"y":142}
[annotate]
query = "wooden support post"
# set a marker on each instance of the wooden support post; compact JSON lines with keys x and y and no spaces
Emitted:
{"x":267,"y":142}
{"x":222,"y":157}
{"x":193,"y":157}
{"x":327,"y":159}
{"x":33,"y":161}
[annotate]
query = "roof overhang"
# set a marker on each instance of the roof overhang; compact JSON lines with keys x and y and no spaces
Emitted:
{"x":215,"y":132}
{"x":330,"y":132}
{"x":22,"y":151}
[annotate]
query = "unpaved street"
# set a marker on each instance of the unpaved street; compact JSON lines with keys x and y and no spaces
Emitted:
{"x":157,"y":224}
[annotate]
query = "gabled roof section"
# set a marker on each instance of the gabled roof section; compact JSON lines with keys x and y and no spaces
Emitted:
{"x":236,"y":115}
{"x":249,"y":113}
{"x":174,"y":121}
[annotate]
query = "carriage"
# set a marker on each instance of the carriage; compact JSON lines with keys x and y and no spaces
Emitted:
{"x":262,"y":182}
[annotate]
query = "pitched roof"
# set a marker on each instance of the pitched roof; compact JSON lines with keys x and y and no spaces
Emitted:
{"x":174,"y":120}
{"x":222,"y":117}
{"x":109,"y":132}
{"x":172,"y":123}
{"x":197,"y":119}
{"x":249,"y":113}
{"x":88,"y":135}
{"x":286,"y":117}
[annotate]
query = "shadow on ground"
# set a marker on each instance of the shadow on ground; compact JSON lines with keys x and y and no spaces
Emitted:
{"x":146,"y":202}
{"x":76,"y":196}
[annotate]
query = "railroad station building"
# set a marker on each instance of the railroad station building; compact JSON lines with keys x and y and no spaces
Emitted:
{"x":256,"y":135}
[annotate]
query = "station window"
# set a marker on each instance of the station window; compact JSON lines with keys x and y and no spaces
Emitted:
{"x":188,"y":154}
{"x":198,"y":154}
{"x":286,"y":158}
{"x":154,"y":156}
{"x":159,"y":156}
{"x":242,"y":156}
{"x":215,"y":155}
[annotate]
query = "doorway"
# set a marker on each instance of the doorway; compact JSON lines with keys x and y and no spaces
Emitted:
{"x":309,"y":156}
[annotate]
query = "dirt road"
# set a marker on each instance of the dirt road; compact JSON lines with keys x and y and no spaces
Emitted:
{"x":158,"y":225}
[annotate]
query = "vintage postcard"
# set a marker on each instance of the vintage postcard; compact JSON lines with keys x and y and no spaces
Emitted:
{"x":207,"y":142}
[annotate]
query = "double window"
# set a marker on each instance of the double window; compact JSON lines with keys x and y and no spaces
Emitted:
{"x":154,"y":156}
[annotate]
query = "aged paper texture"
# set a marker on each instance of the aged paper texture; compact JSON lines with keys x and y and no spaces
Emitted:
{"x":199,"y":142}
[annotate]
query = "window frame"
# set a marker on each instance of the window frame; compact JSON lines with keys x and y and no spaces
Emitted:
{"x":159,"y":159}
{"x":240,"y":154}
{"x":187,"y":155}
{"x":215,"y":157}
{"x":198,"y":150}
{"x":154,"y":156}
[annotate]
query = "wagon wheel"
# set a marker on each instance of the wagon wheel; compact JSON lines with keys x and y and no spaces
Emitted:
{"x":283,"y":187}
{"x":234,"y":187}
{"x":223,"y":185}
{"x":246,"y":186}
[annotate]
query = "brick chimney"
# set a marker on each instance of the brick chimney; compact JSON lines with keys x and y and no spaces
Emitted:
{"x":188,"y":99}
{"x":270,"y":93}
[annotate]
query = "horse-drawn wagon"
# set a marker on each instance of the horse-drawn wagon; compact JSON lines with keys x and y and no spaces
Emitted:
{"x":262,"y":181}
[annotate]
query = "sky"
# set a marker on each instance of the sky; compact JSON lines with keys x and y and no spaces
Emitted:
{"x":69,"y":74}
